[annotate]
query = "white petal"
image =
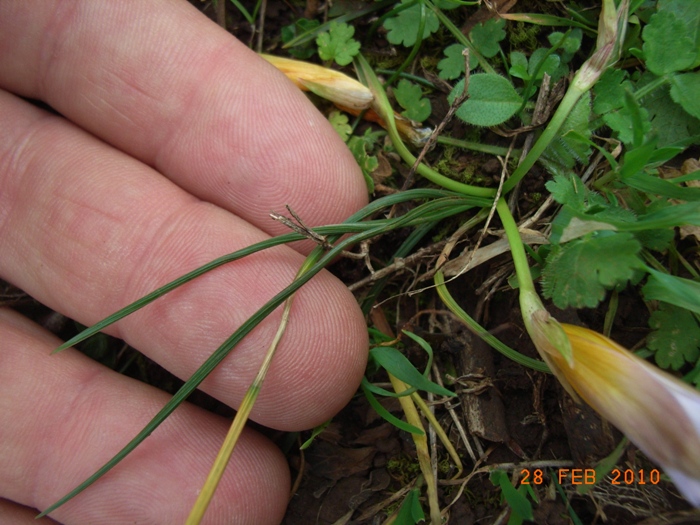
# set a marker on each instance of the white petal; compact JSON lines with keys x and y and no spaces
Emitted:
{"x":687,"y":397}
{"x":686,"y":485}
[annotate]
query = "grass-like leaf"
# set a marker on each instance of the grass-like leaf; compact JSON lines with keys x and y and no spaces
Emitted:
{"x":376,"y":405}
{"x":396,"y":364}
{"x":674,"y":290}
{"x":425,"y":212}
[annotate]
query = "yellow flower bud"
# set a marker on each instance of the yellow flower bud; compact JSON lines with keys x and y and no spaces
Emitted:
{"x":324,"y":82}
{"x":345,"y":92}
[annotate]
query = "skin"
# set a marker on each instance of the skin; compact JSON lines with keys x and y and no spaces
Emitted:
{"x":173,"y":144}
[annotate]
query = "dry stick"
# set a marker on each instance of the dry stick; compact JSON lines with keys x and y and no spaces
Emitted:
{"x":451,"y":410}
{"x":537,"y":117}
{"x":399,"y":264}
{"x":261,"y":24}
{"x":221,"y":13}
{"x":300,"y":474}
{"x":492,"y":211}
{"x":439,"y":431}
{"x":430,"y":409}
{"x":237,"y":425}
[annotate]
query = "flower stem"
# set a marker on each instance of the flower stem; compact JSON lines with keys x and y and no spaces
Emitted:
{"x":383,"y":108}
{"x":572,"y":96}
{"x":517,"y":249}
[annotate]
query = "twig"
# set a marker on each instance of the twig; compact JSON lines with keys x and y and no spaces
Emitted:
{"x":455,"y":419}
{"x":301,"y":228}
{"x":221,"y":13}
{"x":261,"y":25}
{"x":492,"y":211}
{"x":400,"y":264}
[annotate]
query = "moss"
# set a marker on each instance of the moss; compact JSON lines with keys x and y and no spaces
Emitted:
{"x":523,"y":37}
{"x":403,"y":468}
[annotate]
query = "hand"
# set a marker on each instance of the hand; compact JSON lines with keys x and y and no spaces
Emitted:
{"x":174,"y":144}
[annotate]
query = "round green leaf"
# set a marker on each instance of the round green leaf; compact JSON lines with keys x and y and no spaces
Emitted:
{"x":492,"y":100}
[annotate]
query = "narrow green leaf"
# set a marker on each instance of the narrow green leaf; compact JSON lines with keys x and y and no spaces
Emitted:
{"x":674,"y":290}
{"x":353,"y":14}
{"x":518,"y":503}
{"x":376,"y":405}
{"x":545,"y":20}
{"x":244,"y":12}
{"x":635,"y":160}
{"x":411,"y":512}
{"x":658,"y":186}
{"x":668,"y":217}
{"x":387,"y":393}
{"x":299,"y":27}
{"x":397,"y":365}
{"x":425,"y":346}
{"x":316,"y":432}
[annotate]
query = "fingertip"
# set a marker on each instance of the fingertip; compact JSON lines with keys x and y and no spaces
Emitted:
{"x":58,"y":426}
{"x":322,"y":369}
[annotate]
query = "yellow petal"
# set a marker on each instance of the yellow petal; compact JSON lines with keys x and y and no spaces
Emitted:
{"x":324,"y":82}
{"x":659,"y":413}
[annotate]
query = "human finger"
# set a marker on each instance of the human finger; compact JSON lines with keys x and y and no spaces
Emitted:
{"x":164,"y":84}
{"x":87,"y":230}
{"x":63,"y":416}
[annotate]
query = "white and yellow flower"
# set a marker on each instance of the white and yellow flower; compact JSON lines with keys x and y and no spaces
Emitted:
{"x":659,"y":413}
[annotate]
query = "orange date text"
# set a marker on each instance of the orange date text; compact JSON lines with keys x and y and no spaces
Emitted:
{"x":587,"y":476}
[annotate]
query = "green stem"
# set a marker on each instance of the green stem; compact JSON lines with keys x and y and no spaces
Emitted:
{"x":383,"y":108}
{"x":572,"y":96}
{"x":517,"y":249}
{"x":477,"y":146}
{"x":480,"y":331}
